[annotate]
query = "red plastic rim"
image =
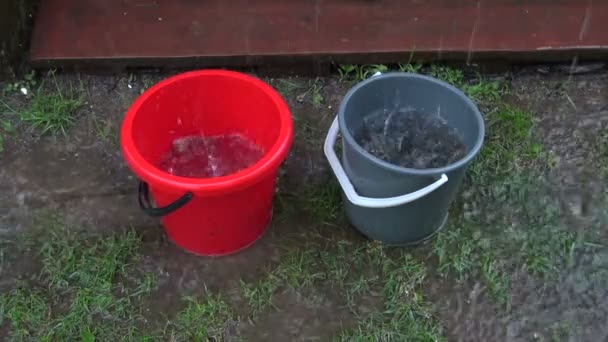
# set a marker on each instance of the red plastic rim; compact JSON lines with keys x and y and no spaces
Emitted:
{"x":269,"y":163}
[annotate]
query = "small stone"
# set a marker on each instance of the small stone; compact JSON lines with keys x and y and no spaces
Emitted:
{"x":575,"y":203}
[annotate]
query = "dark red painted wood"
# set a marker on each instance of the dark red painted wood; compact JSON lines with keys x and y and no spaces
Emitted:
{"x":139,"y":31}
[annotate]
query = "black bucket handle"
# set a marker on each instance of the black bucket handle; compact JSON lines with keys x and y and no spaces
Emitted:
{"x":146,"y":206}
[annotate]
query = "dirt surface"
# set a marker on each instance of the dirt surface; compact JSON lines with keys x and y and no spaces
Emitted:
{"x":411,"y":139}
{"x":81,"y":176}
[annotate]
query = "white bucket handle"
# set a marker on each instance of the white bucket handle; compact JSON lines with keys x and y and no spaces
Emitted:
{"x":349,"y":189}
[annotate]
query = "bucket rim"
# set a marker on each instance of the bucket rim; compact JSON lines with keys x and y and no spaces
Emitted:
{"x":406,"y":170}
{"x":271,"y":160}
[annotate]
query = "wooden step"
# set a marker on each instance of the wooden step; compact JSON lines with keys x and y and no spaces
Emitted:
{"x":247,"y":32}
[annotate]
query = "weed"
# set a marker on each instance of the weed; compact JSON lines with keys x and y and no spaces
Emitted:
{"x":478,"y":89}
{"x":460,"y":261}
{"x":601,"y":154}
{"x":285,"y":206}
{"x":353,"y":72}
{"x":402,"y":278}
{"x":51,"y":112}
{"x":259,"y":295}
{"x":323,"y":202}
{"x":91,"y":287}
{"x":66,"y":264}
{"x":105,"y":131}
{"x":452,"y":76}
{"x":203,"y":320}
{"x":496,"y":280}
{"x":27,"y":312}
{"x":6,"y":125}
{"x":546,"y":250}
{"x":508,"y":147}
{"x":314,"y":93}
{"x":298,"y":271}
{"x":561,"y":331}
{"x":288,"y":87}
{"x":361,"y":285}
{"x":28,"y":83}
{"x":307,"y":133}
{"x":406,"y":315}
{"x":484,"y":91}
{"x":414,"y":68}
{"x":462,"y":252}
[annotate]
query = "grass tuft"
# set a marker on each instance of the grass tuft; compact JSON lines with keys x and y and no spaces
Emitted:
{"x":259,"y":295}
{"x":508,"y":148}
{"x":203,"y":320}
{"x":298,"y":270}
{"x":601,"y":154}
{"x":51,"y":113}
{"x":406,"y":315}
{"x":27,"y":313}
{"x":51,"y":109}
{"x":90,"y":287}
{"x":357,"y":73}
{"x":323,"y":202}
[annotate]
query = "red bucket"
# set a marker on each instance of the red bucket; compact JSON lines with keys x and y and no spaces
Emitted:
{"x":208,"y":216}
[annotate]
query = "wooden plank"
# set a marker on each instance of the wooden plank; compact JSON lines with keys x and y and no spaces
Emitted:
{"x":147,"y":32}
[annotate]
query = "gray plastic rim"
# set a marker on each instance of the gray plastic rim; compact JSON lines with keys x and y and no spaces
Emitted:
{"x":404,"y":170}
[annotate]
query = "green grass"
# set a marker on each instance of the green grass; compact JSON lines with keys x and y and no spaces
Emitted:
{"x":87,"y":287}
{"x":414,"y":68}
{"x":456,"y":253}
{"x":509,"y":147}
{"x":314,"y":93}
{"x":289,"y":87}
{"x":104,"y":130}
{"x":7,"y":127}
{"x":302,"y":90}
{"x":27,"y":312}
{"x":600,"y":154}
{"x":51,"y":112}
{"x":259,"y":294}
{"x":50,"y":109}
{"x":204,"y":319}
{"x":463,"y":253}
{"x":323,"y":202}
{"x":356,"y":270}
{"x":452,"y":76}
{"x":356,"y":73}
{"x":308,"y":132}
{"x":297,"y":270}
{"x":406,"y":315}
{"x":505,"y":220}
{"x":28,"y":82}
{"x":478,"y":88}
{"x":561,"y":331}
{"x":496,"y":279}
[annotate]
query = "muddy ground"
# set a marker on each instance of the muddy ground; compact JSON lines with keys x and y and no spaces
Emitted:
{"x":523,"y":258}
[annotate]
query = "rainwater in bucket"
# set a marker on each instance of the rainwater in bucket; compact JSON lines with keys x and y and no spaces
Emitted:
{"x":407,"y":140}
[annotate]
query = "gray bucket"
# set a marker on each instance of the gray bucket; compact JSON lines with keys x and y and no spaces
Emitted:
{"x":389,"y":203}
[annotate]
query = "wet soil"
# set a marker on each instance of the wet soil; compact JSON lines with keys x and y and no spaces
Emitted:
{"x":82,"y":176}
{"x":410,"y":138}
